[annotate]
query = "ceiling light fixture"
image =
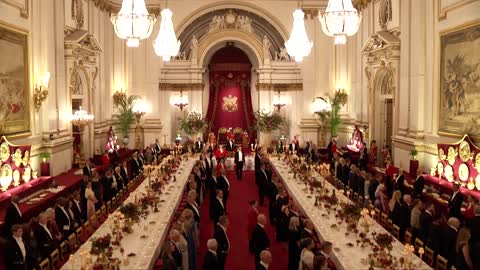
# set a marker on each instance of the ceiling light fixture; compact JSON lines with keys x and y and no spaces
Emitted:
{"x":340,"y":20}
{"x":166,"y":44}
{"x":298,"y":45}
{"x":133,"y":22}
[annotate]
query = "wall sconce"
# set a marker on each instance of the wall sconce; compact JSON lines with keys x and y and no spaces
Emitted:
{"x":40,"y":92}
{"x":119,"y":95}
{"x":180,"y":101}
{"x":321,"y":104}
{"x":278,"y":101}
{"x":139,"y":110}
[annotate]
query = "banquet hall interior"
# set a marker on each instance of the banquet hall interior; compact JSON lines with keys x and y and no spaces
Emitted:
{"x":239,"y":134}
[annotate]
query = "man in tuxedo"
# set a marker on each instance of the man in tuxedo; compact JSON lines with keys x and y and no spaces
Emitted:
{"x":405,"y":214}
{"x":13,"y":215}
{"x":79,"y":214}
{"x":109,"y":185}
{"x":230,"y":145}
{"x":308,"y":232}
{"x":449,"y":240}
{"x":475,"y":237}
{"x":455,"y":202}
{"x":262,"y":180}
{"x":326,"y":251}
{"x":174,"y":238}
{"x":62,"y":218}
{"x":399,"y":181}
{"x":44,"y":237}
{"x":158,"y":148}
{"x":418,"y":185}
{"x":134,"y":165}
{"x":87,"y":169}
{"x":122,"y":183}
{"x":224,"y":185}
{"x":222,"y":239}
{"x":426,"y":220}
{"x":239,"y":162}
{"x":259,"y":240}
{"x":192,"y":205}
{"x":16,"y":251}
{"x":210,"y":261}
{"x":217,"y":208}
{"x":292,"y":147}
{"x":199,"y":145}
{"x":265,"y":260}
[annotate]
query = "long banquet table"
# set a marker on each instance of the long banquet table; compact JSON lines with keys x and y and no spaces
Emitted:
{"x":345,"y":257}
{"x":148,"y":249}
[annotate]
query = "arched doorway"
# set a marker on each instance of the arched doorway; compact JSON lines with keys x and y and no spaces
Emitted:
{"x":230,"y":98}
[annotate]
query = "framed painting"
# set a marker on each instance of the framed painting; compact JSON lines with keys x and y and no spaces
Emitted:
{"x":14,"y":82}
{"x":459,"y":112}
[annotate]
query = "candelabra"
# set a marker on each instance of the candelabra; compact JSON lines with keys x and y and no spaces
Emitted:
{"x":81,"y":119}
{"x":119,"y":96}
{"x":138,"y":111}
{"x":40,"y":92}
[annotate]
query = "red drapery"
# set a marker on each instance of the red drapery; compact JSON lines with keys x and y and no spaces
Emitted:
{"x":230,"y":102}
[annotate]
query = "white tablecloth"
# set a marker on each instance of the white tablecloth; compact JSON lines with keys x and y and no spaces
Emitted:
{"x":146,"y":250}
{"x":348,"y":258}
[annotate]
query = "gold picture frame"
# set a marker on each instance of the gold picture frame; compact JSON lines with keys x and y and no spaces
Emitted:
{"x":458,"y":89}
{"x":14,"y":82}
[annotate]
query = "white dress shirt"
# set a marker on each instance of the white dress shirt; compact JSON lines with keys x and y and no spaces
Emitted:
{"x":221,"y":202}
{"x":44,"y":226}
{"x":195,"y":207}
{"x":66,"y":227}
{"x":240,"y":156}
{"x":226,"y":236}
{"x":21,"y":245}
{"x":18,"y":209}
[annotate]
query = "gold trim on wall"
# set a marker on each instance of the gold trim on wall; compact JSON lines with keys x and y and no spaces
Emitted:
{"x":24,"y":11}
{"x":181,"y":86}
{"x":279,"y":86}
{"x":442,"y":12}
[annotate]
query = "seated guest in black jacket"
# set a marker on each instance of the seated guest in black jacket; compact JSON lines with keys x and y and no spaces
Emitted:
{"x":210,"y":261}
{"x":16,"y":251}
{"x":13,"y":215}
{"x":62,"y":218}
{"x":259,"y":240}
{"x":265,"y":260}
{"x":44,"y":237}
{"x":221,"y":236}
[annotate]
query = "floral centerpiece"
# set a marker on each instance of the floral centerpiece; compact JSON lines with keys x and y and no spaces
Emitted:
{"x":102,"y":245}
{"x":331,"y":117}
{"x":132,"y":215}
{"x":266,"y":122}
{"x":192,"y":123}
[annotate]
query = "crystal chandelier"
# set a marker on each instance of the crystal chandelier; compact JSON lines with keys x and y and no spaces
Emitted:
{"x":133,"y":22}
{"x":81,"y":118}
{"x":340,"y":20}
{"x":298,"y":44}
{"x":166,"y":44}
{"x":180,"y":101}
{"x":278,"y":101}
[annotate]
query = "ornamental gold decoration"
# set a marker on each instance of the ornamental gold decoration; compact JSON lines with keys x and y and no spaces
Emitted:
{"x":464,"y":151}
{"x":449,"y":173}
{"x":16,"y":178}
{"x":230,"y":103}
{"x":477,"y":182}
{"x":17,"y":157}
{"x":477,"y":162}
{"x":26,"y":158}
{"x":441,"y":154}
{"x":5,"y":176}
{"x":27,"y":174}
{"x":463,"y":172}
{"x":452,"y":154}
{"x":4,"y":152}
{"x":440,"y":169}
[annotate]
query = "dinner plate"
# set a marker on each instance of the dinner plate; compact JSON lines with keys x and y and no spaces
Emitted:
{"x":463,"y":172}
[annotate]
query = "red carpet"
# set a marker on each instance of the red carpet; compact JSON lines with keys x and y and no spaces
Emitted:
{"x":239,"y":258}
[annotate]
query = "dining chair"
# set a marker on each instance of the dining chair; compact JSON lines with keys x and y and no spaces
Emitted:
{"x":80,"y":235}
{"x":441,"y":263}
{"x":383,"y":220}
{"x":64,"y":252}
{"x":396,"y":231}
{"x":408,"y":237}
{"x":55,"y":259}
{"x":44,"y":265}
{"x":390,"y":224}
{"x":428,"y":256}
{"x":418,"y":244}
{"x":72,"y":242}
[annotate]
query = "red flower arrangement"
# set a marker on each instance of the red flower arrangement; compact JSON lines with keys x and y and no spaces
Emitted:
{"x":101,"y":245}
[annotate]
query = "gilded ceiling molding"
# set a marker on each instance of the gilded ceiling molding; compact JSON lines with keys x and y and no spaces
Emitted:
{"x":181,"y":86}
{"x":279,"y":86}
{"x":310,"y":13}
{"x":23,"y":8}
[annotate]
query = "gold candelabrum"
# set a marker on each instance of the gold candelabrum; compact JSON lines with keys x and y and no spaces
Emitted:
{"x":119,"y":95}
{"x":40,"y":92}
{"x":81,"y":119}
{"x":138,"y":129}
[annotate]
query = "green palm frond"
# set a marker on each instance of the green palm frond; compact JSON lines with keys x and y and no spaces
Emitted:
{"x":125,"y":117}
{"x":268,"y":121}
{"x":332,"y":118}
{"x":192,"y":123}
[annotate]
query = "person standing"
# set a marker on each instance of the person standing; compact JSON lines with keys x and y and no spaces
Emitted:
{"x":222,"y":239}
{"x":239,"y":162}
{"x":43,"y":236}
{"x":210,"y":261}
{"x":265,"y":260}
{"x":294,"y":243}
{"x":16,"y":250}
{"x":259,"y":240}
{"x":13,"y":215}
{"x":455,"y":202}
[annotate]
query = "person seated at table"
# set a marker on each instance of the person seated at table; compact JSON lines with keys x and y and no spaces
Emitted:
{"x":134,"y":165}
{"x":210,"y":260}
{"x":265,"y":260}
{"x":307,"y":254}
{"x":105,"y":159}
{"x":91,"y":200}
{"x":13,"y":214}
{"x":62,"y":218}
{"x":87,"y":169}
{"x":418,"y":185}
{"x":110,"y":185}
{"x":44,"y":237}
{"x":426,"y":220}
{"x":381,"y":198}
{"x":17,"y":252}
{"x":97,"y":187}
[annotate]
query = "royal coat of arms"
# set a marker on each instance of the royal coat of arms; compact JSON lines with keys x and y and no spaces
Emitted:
{"x":230,"y":103}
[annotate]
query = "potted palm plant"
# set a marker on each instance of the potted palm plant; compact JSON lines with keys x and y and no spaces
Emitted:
{"x":330,"y":117}
{"x":266,"y":122}
{"x":413,"y":163}
{"x":125,"y":116}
